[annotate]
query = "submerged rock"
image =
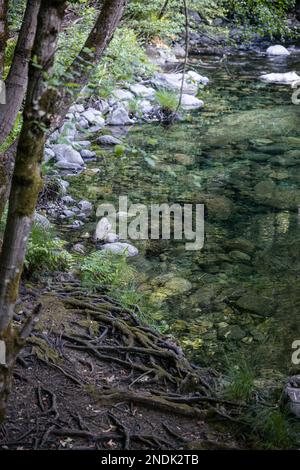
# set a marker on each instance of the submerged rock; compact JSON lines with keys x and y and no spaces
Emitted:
{"x":178,"y":285}
{"x":253,"y":303}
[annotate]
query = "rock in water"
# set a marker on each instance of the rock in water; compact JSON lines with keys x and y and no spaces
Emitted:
{"x":191,"y":102}
{"x":277,"y":50}
{"x":287,"y":78}
{"x":120,"y":248}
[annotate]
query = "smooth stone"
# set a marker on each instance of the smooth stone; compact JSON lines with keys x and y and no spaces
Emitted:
{"x":120,"y":248}
{"x":67,"y":154}
{"x":253,"y":303}
{"x":67,"y":200}
{"x":178,"y":285}
{"x":287,"y":78}
{"x":42,"y":220}
{"x":119,"y":117}
{"x":108,"y":140}
{"x":77,"y":108}
{"x":291,"y":395}
{"x":93,"y":116}
{"x":79,"y":248}
{"x":87,"y":153}
{"x":191,"y":102}
{"x":49,"y":154}
{"x":277,"y":50}
{"x":111,"y":238}
{"x":122,"y":95}
{"x":142,"y":91}
{"x":63,"y":165}
{"x":103,"y":228}
{"x":85,"y":206}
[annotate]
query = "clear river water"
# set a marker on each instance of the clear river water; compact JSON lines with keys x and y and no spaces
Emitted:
{"x":240,"y":156}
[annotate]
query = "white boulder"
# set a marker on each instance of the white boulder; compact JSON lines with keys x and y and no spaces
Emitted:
{"x":287,"y":78}
{"x":277,"y":50}
{"x":103,"y":228}
{"x":191,"y":102}
{"x":94,"y":117}
{"x":142,"y":91}
{"x":121,"y":248}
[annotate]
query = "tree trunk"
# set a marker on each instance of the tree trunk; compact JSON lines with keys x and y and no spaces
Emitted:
{"x":26,"y":181}
{"x":80,"y":70}
{"x":3,"y":33}
{"x":16,"y":82}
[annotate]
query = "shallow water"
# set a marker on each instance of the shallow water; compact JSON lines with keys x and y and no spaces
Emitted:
{"x":240,"y":156}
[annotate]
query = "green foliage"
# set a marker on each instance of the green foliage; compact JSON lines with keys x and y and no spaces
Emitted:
{"x":13,"y":135}
{"x":124,"y":60}
{"x":145,"y":18}
{"x":265,"y":16}
{"x":272,"y":428}
{"x":106,"y":269}
{"x":240,"y":382}
{"x":46,"y":252}
{"x":168,"y":100}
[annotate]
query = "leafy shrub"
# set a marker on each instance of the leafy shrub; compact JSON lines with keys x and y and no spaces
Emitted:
{"x":241,"y":382}
{"x":106,"y":269}
{"x":46,"y":252}
{"x":265,"y":16}
{"x":168,"y":100}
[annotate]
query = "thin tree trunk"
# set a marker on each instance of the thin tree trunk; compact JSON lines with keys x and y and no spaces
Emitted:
{"x":81,"y":68}
{"x":3,"y":33}
{"x":16,"y":82}
{"x":26,"y":182}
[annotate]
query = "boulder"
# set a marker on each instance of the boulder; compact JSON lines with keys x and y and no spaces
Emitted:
{"x":85,"y":206}
{"x":103,"y":228}
{"x":161,"y":55}
{"x":119,"y":117}
{"x":63,"y":165}
{"x":94,"y":117}
{"x":48,"y":154}
{"x":277,"y":50}
{"x":120,"y":248}
{"x":42,"y":220}
{"x":291,"y":395}
{"x":287,"y":78}
{"x":76,"y":108}
{"x":66,"y":153}
{"x":142,"y":91}
{"x":173,"y":82}
{"x":122,"y":95}
{"x":87,"y":153}
{"x":108,"y":140}
{"x":111,"y":238}
{"x":191,"y":102}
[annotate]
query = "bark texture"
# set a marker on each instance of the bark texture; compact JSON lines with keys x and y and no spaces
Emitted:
{"x":26,"y":181}
{"x":16,"y":82}
{"x":3,"y":33}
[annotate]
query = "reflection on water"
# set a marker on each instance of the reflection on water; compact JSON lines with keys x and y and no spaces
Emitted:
{"x":241,"y":158}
